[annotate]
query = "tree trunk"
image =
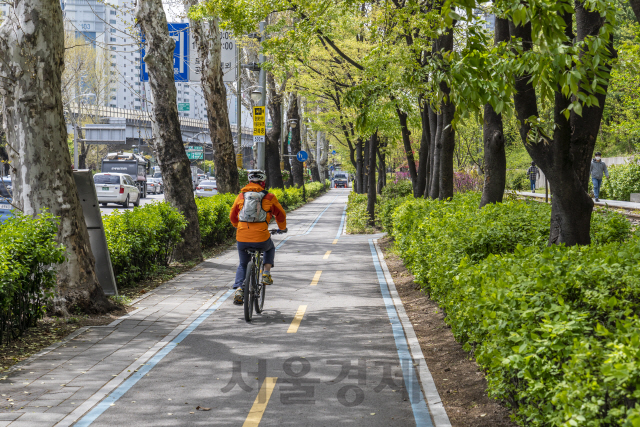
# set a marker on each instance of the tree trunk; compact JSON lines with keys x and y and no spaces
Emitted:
{"x":293,"y":114}
{"x":406,"y":142}
{"x":495,"y":159}
{"x":207,"y":37}
{"x":365,"y":179}
{"x":272,"y":148}
{"x":323,"y":142}
{"x":565,"y":158}
{"x":425,"y":141}
{"x":433,"y":127}
{"x":371,"y":178}
{"x":31,"y":65}
{"x":172,"y":158}
{"x":382,"y":167}
{"x":435,"y":179}
{"x":359,"y":167}
{"x":448,"y":141}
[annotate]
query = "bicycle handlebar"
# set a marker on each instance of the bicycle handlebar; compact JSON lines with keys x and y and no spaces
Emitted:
{"x":278,"y":231}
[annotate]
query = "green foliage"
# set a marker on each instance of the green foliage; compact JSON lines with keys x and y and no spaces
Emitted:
{"x":243,"y":177}
{"x":623,"y":180}
{"x":357,"y":214}
{"x":397,"y":189}
{"x":517,"y":180}
{"x":291,"y":197}
{"x":142,"y":238}
{"x":553,"y":327}
{"x":213,"y":217}
{"x":28,"y":255}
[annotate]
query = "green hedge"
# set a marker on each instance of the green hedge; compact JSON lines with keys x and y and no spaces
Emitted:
{"x":28,"y":254}
{"x":141,"y":239}
{"x":144,"y":238}
{"x":553,"y":327}
{"x":623,"y":180}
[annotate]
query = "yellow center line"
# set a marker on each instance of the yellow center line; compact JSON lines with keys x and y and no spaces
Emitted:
{"x":335,"y":241}
{"x":260,"y":404}
{"x":316,"y":278}
{"x":295,"y":324}
{"x":326,"y":256}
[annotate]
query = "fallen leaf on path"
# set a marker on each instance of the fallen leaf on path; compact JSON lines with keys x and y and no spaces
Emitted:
{"x":200,"y":408}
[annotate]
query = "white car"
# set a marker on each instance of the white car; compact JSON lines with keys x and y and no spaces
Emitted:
{"x":116,"y":188}
{"x":206,"y":189}
{"x":154,"y":185}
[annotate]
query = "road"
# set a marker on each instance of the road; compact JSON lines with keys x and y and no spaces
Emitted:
{"x":149,"y":199}
{"x":329,"y":349}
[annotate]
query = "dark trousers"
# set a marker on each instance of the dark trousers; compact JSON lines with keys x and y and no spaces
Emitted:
{"x":269,"y":254}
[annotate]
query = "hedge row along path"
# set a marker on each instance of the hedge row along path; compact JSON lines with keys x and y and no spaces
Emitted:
{"x":333,"y":346}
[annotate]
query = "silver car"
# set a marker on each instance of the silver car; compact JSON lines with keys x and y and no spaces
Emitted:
{"x":154,"y":185}
{"x":206,"y":188}
{"x":116,"y":188}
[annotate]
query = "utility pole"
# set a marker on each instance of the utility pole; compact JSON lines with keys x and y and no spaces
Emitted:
{"x":262,"y":83}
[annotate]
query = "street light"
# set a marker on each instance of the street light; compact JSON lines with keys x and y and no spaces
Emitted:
{"x":256,"y":95}
{"x":293,"y":123}
{"x":75,"y":132}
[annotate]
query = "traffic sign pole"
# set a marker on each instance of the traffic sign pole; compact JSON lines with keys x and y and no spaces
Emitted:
{"x":259,"y":131}
{"x":263,"y":98}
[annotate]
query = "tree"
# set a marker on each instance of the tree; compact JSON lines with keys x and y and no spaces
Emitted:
{"x":172,"y":158}
{"x":31,"y":67}
{"x":272,"y":148}
{"x":207,"y":37}
{"x":495,"y":159}
{"x":293,"y":114}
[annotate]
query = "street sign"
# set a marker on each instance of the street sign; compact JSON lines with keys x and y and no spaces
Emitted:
{"x":302,"y":156}
{"x":333,"y":152}
{"x":195,"y":152}
{"x":227,"y":59}
{"x":183,"y":106}
{"x":258,"y":124}
{"x":180,"y":33}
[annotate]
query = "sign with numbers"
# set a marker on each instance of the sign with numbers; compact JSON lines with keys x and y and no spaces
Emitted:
{"x":180,"y":33}
{"x":259,"y":124}
{"x":184,"y":106}
{"x":227,"y":59}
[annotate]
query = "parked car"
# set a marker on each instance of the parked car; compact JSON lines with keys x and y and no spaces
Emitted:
{"x":5,"y":200}
{"x":116,"y":188}
{"x":157,"y":175}
{"x":206,"y":189}
{"x":155,"y":186}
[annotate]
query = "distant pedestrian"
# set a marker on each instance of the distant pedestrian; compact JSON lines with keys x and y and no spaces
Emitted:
{"x":598,"y":169}
{"x":533,"y":173}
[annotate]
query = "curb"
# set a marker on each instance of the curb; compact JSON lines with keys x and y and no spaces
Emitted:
{"x":436,"y":407}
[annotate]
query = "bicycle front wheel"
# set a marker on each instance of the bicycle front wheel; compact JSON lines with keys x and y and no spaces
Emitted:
{"x":249,"y":286}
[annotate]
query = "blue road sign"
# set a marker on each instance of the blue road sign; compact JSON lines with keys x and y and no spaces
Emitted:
{"x":180,"y":33}
{"x":302,"y":156}
{"x":333,"y":152}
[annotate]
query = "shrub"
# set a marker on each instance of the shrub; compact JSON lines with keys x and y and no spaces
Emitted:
{"x":623,"y":180}
{"x":28,"y":254}
{"x":142,"y":238}
{"x":517,"y":180}
{"x":357,"y":215}
{"x":553,"y":327}
{"x":464,"y":181}
{"x":397,"y":189}
{"x":213,"y":217}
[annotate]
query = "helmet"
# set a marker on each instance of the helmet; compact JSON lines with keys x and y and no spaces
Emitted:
{"x":256,"y":176}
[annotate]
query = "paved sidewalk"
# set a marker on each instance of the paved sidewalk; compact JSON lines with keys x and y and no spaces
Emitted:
{"x":602,"y":202}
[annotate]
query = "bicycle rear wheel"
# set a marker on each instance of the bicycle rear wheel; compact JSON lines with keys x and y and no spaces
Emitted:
{"x":249,"y":284}
{"x":259,"y":300}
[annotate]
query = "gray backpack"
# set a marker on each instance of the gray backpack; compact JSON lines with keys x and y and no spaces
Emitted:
{"x":252,"y":208}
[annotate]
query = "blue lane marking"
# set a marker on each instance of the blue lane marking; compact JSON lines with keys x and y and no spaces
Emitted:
{"x":133,"y":379}
{"x":418,"y":404}
{"x":282,"y":242}
{"x":344,"y":215}
{"x":318,"y":218}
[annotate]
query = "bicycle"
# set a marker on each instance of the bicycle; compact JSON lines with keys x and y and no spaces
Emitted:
{"x":253,"y":288}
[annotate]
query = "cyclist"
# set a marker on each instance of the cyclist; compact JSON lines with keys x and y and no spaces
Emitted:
{"x":250,"y":215}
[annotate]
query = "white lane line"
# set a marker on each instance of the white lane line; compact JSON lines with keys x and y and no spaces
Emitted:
{"x":436,"y":408}
{"x":137,"y":369}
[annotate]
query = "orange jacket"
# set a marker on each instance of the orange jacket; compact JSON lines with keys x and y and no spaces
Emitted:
{"x":258,"y":231}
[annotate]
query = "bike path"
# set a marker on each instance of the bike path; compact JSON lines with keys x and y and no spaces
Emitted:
{"x":325,"y":351}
